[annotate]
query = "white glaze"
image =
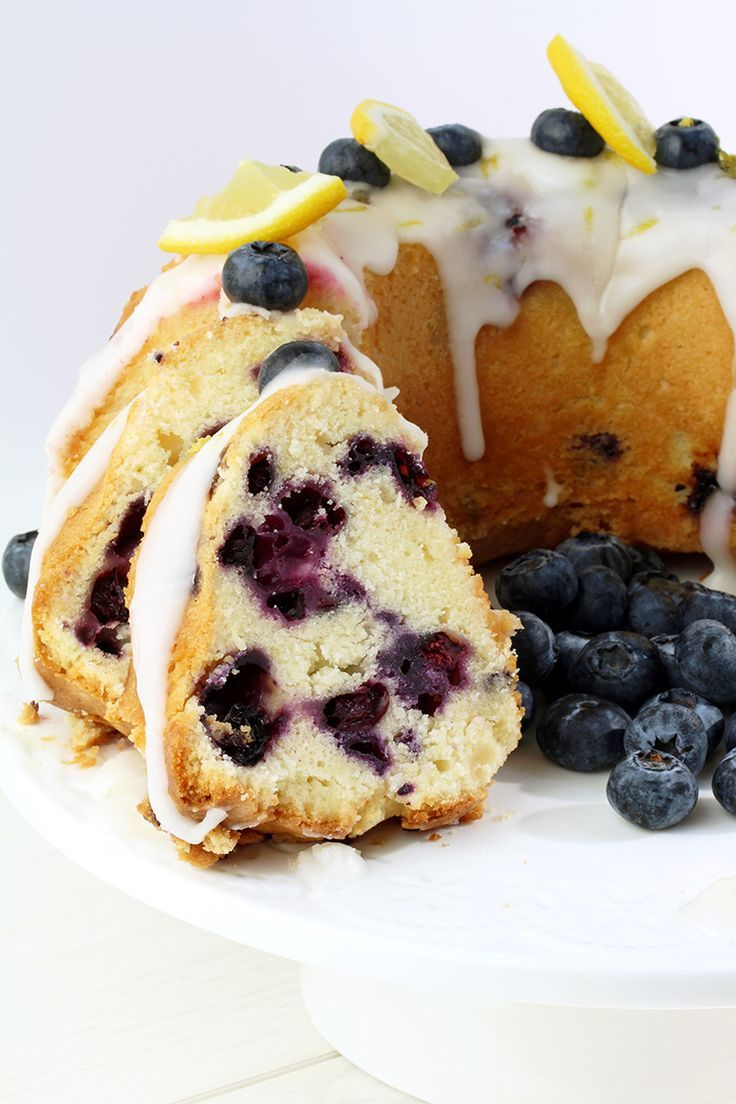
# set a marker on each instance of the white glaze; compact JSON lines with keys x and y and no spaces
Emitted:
{"x":73,"y":493}
{"x":605,"y":233}
{"x":227,"y":309}
{"x":554,"y":489}
{"x":164,"y":576}
{"x":325,"y":866}
{"x":195,"y":278}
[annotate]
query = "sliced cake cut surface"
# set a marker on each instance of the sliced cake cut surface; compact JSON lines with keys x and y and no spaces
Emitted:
{"x":312,"y":651}
{"x":77,"y":640}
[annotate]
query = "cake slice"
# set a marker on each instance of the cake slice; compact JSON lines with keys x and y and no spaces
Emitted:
{"x":76,"y":649}
{"x":313,"y":653}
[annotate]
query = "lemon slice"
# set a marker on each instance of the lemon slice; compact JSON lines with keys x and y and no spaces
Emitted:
{"x":606,"y":104}
{"x":397,"y":138}
{"x":261,"y":201}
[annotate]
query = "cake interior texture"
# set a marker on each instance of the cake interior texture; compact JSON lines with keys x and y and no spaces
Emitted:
{"x":338,"y":663}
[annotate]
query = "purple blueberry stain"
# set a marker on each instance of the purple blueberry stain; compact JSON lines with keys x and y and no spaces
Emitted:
{"x":369,"y":748}
{"x":312,"y":507}
{"x":284,"y":557}
{"x":410,"y":741}
{"x":405,"y":790}
{"x":365,"y":453}
{"x":101,"y":624}
{"x":344,"y":360}
{"x":359,"y":709}
{"x":605,"y":446}
{"x":352,"y":719}
{"x":260,"y":472}
{"x":518,"y":227}
{"x":703,"y":483}
{"x":211,"y":429}
{"x":426,"y":669}
{"x":234,"y":697}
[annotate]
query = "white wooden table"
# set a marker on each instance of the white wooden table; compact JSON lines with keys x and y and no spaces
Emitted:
{"x":106,"y":1001}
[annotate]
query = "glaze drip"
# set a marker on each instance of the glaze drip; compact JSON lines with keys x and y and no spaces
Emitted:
{"x":606,"y":234}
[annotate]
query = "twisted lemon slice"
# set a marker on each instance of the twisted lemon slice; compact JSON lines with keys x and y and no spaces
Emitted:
{"x":397,"y":138}
{"x":606,"y":104}
{"x":261,"y":201}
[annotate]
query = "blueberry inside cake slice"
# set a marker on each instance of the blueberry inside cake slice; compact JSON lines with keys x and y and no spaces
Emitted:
{"x":81,"y":636}
{"x":312,"y":651}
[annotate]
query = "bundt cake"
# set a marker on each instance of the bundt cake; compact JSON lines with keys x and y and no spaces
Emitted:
{"x":556,"y":312}
{"x":335,"y":662}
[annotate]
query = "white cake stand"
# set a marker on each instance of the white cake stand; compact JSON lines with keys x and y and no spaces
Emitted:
{"x":548,"y":954}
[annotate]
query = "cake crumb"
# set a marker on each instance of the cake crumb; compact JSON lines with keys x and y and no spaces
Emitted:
{"x":434,"y":837}
{"x":330,"y":865}
{"x":87,"y":733}
{"x":29,"y":713}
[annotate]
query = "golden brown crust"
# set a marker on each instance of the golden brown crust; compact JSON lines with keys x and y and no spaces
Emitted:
{"x":659,"y":396}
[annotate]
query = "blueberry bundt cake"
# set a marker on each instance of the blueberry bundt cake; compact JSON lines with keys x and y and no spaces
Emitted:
{"x":312,"y":653}
{"x":557,"y":312}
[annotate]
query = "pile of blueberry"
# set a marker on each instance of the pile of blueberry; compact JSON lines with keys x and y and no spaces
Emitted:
{"x":683,"y":143}
{"x":637,"y":670}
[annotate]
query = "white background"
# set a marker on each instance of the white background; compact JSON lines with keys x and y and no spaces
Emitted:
{"x":117,"y":116}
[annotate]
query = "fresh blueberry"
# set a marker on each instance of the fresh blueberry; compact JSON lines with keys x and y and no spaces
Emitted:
{"x":598,"y":550}
{"x":349,"y":160}
{"x":654,"y":603}
{"x":296,"y":354}
{"x":670,"y":728}
{"x":730,"y":732}
{"x":460,"y":144}
{"x":535,"y":647}
{"x":528,"y":705}
{"x":652,"y":789}
{"x":266,"y":274}
{"x":644,"y":559}
{"x":665,"y":645}
{"x":567,"y":133}
{"x":685,"y":144}
{"x":724,"y":783}
{"x":16,"y":561}
{"x":541,"y":581}
{"x":583,"y":733}
{"x":621,"y":666}
{"x":600,"y":602}
{"x":710,"y":714}
{"x":569,"y":646}
{"x":702,"y":604}
{"x":706,"y":655}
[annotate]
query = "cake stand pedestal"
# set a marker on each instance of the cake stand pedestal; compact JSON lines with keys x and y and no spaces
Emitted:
{"x":444,"y":1049}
